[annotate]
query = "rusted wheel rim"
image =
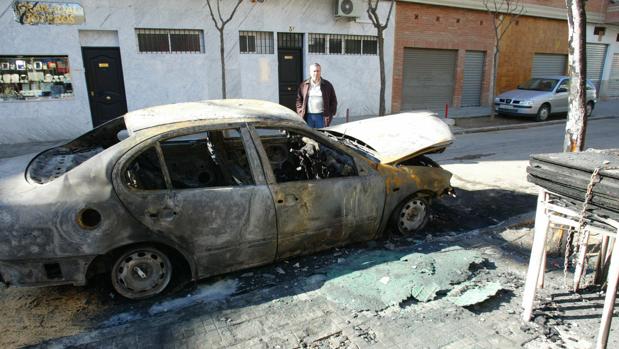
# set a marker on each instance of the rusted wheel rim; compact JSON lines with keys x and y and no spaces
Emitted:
{"x":412,"y":215}
{"x":141,"y":273}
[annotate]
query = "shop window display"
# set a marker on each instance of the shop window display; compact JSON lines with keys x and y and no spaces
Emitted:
{"x":34,"y":77}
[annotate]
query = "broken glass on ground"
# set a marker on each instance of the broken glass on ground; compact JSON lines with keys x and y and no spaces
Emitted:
{"x":382,"y":278}
{"x":473,"y":292}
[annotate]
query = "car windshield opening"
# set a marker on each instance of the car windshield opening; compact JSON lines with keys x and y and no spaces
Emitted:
{"x":54,"y":162}
{"x":539,"y":84}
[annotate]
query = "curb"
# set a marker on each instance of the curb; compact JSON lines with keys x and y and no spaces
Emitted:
{"x":520,"y":126}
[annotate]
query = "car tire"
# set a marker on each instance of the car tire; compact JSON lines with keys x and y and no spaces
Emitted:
{"x":543,"y":113}
{"x":589,"y":109}
{"x":411,"y":215}
{"x":141,"y":272}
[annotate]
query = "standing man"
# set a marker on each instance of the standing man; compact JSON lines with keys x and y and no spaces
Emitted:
{"x":316,"y":101}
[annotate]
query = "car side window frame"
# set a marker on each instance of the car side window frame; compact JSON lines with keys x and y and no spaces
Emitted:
{"x":564,"y":82}
{"x":255,"y":167}
{"x":268,"y":169}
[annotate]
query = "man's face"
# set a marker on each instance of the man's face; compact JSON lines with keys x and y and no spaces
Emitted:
{"x":315,"y":73}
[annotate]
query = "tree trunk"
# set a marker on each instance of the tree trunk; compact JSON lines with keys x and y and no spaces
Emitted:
{"x":223,"y":63}
{"x":495,"y":66}
{"x":576,"y":125}
{"x":381,"y":59}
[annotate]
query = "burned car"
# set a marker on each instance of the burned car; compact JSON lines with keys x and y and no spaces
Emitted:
{"x":204,"y":188}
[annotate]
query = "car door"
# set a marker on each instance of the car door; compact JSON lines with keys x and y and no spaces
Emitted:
{"x":323,"y":197}
{"x":205,"y":191}
{"x":560,"y":103}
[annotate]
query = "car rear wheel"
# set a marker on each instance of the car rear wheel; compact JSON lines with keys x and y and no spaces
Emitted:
{"x":543,"y":113}
{"x":142,"y":272}
{"x":412,"y":215}
{"x":589,"y":109}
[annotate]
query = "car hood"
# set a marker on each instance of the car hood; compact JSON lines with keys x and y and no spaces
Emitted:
{"x":523,"y":94}
{"x":398,"y":137}
{"x":13,"y":181}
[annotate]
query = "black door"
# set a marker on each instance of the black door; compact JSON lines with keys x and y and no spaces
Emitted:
{"x":104,"y":79}
{"x":290,"y":67}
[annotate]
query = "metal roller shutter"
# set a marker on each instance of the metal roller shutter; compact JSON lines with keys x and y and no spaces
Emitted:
{"x":596,"y":53}
{"x":428,"y":78}
{"x":613,"y":81}
{"x":473,"y":78}
{"x":545,"y":64}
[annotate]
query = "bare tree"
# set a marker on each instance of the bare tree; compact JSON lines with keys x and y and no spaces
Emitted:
{"x":504,"y":13}
{"x":380,"y":28}
{"x":576,"y":125}
{"x":220,"y":25}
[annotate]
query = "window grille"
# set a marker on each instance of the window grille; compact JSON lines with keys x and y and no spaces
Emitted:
{"x":342,"y":44}
{"x":289,"y":40}
{"x":256,"y":42}
{"x":170,"y":40}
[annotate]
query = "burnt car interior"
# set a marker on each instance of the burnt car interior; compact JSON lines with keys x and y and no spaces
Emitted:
{"x":54,"y":162}
{"x":296,"y":157}
{"x":206,"y":159}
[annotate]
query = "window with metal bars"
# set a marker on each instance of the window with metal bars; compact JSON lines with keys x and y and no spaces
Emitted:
{"x":256,"y":42}
{"x":342,"y":44}
{"x":290,"y":40}
{"x":170,"y":40}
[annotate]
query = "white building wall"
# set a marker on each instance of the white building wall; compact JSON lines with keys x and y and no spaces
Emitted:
{"x":157,"y":78}
{"x":610,"y":39}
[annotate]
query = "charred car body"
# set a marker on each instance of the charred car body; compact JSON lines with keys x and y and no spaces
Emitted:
{"x":209,"y":187}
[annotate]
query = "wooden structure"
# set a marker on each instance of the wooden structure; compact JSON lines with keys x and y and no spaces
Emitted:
{"x":559,"y":210}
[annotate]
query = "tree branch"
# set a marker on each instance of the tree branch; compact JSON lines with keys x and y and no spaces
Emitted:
{"x":208,"y":3}
{"x":233,"y":12}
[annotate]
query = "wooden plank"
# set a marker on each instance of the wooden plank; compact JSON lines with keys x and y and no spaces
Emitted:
{"x":599,"y":262}
{"x":537,"y":251}
{"x":609,"y":301}
{"x":582,"y":259}
{"x":577,"y":179}
{"x":585,"y":161}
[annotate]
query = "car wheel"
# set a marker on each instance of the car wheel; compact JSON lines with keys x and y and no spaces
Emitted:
{"x":543,"y":112}
{"x":141,"y":272}
{"x":412,"y":215}
{"x":589,"y":109}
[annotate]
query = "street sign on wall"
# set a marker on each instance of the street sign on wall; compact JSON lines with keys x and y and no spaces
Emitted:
{"x":57,"y":13}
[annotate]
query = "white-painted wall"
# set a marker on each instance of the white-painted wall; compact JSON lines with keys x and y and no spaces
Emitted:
{"x":154,"y":78}
{"x":609,"y":38}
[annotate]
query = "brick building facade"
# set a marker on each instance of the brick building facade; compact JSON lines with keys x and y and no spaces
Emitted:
{"x":465,"y":26}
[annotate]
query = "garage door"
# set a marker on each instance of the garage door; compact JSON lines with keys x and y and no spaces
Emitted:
{"x":613,"y":81}
{"x":545,"y":64}
{"x":428,"y":78}
{"x":596,"y":53}
{"x":473,"y":78}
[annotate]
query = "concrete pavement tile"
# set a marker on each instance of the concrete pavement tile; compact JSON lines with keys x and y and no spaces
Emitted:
{"x":247,"y":330}
{"x":315,"y":330}
{"x":225,"y":335}
{"x":462,"y":343}
{"x":208,"y":324}
{"x":207,"y":340}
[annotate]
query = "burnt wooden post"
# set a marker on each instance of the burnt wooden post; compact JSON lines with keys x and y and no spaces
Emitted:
{"x":576,"y":125}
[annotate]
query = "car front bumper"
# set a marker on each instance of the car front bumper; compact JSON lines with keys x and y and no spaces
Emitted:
{"x":511,"y":109}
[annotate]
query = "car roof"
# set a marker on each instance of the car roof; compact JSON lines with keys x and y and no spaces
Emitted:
{"x":223,"y":110}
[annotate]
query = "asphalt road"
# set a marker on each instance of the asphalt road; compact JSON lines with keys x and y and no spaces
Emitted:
{"x":499,"y":159}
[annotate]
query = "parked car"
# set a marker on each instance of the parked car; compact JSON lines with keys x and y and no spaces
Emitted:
{"x":204,"y":188}
{"x":540,"y":97}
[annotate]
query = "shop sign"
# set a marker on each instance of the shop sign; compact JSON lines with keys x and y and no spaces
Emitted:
{"x":38,"y":12}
